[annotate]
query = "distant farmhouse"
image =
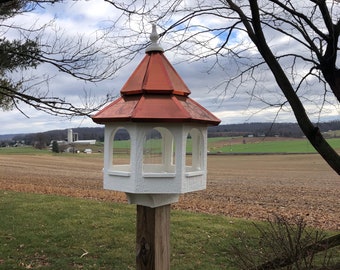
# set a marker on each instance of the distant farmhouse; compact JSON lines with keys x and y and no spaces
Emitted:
{"x":73,"y":138}
{"x":72,"y":141}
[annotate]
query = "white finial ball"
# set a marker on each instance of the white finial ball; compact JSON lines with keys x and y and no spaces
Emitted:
{"x":154,"y":35}
{"x":154,"y":46}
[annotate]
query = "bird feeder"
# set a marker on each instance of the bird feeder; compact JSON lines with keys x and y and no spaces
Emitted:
{"x":165,"y":132}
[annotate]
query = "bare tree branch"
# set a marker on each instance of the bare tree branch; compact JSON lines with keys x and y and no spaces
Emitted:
{"x":311,"y":26}
{"x":85,"y":58}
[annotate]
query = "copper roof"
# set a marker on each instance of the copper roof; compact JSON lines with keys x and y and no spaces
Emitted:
{"x":155,"y":93}
{"x":155,"y":108}
{"x":155,"y":75}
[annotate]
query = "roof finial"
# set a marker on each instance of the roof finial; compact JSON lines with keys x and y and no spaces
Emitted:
{"x":154,"y":46}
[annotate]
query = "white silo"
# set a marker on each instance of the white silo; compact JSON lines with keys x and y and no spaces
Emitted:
{"x":69,"y":135}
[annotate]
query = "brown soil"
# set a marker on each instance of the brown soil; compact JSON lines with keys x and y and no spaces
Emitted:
{"x":252,"y":187}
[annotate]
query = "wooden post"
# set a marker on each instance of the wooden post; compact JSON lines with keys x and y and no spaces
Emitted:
{"x":153,"y":238}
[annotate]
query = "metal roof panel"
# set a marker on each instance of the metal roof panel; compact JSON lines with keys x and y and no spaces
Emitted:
{"x":134,"y":85}
{"x":155,"y":107}
{"x":161,"y":107}
{"x":119,"y":110}
{"x":155,"y":75}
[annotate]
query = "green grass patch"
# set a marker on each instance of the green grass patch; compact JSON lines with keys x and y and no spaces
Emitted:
{"x":289,"y":146}
{"x":51,"y":232}
{"x":23,"y":150}
{"x":222,"y":145}
{"x":294,"y":146}
{"x":55,"y":232}
{"x":29,"y":150}
{"x":215,"y":145}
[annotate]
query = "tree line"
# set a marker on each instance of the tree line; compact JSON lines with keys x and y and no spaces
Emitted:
{"x":245,"y":129}
{"x":258,"y":129}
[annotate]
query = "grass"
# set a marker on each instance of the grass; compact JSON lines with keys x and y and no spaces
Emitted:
{"x":222,"y":145}
{"x":29,"y":150}
{"x":302,"y":146}
{"x":289,"y":146}
{"x":55,"y":232}
{"x":215,"y":145}
{"x":24,"y":150}
{"x":52,"y":232}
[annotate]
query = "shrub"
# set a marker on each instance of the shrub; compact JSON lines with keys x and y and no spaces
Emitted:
{"x":285,"y":244}
{"x":55,"y":147}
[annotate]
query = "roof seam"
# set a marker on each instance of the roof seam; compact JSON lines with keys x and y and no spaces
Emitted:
{"x":146,"y":73}
{"x":180,"y":106}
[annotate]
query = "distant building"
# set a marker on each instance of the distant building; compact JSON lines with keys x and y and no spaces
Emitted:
{"x":73,"y":138}
{"x":88,"y":151}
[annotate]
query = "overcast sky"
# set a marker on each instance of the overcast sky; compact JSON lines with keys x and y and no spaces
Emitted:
{"x":85,"y":17}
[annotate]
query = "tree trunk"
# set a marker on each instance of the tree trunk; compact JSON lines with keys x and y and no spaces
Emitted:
{"x":312,"y":133}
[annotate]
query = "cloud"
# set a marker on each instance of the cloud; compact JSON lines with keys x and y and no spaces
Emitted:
{"x":232,"y":105}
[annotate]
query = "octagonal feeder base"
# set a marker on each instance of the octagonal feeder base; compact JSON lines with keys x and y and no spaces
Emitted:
{"x":152,"y":200}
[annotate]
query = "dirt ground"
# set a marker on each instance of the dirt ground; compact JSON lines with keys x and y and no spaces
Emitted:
{"x":247,"y":186}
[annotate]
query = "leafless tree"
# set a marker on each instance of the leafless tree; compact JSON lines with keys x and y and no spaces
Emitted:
{"x":248,"y":36}
{"x":45,"y":44}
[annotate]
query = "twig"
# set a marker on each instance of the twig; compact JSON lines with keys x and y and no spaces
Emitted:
{"x":85,"y":253}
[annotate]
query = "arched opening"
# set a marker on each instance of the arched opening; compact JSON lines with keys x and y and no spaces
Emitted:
{"x":158,"y":151}
{"x":194,"y":151}
{"x":121,"y":149}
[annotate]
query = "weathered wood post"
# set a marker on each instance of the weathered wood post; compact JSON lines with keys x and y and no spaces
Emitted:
{"x":155,"y":105}
{"x":153,"y":238}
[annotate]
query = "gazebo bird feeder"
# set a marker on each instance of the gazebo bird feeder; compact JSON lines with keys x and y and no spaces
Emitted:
{"x":167,"y":151}
{"x":155,"y":100}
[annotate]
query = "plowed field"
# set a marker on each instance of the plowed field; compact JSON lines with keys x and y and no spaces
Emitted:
{"x":247,"y":186}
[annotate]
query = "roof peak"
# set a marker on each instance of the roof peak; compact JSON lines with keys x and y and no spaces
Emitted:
{"x":154,"y":46}
{"x":154,"y":75}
